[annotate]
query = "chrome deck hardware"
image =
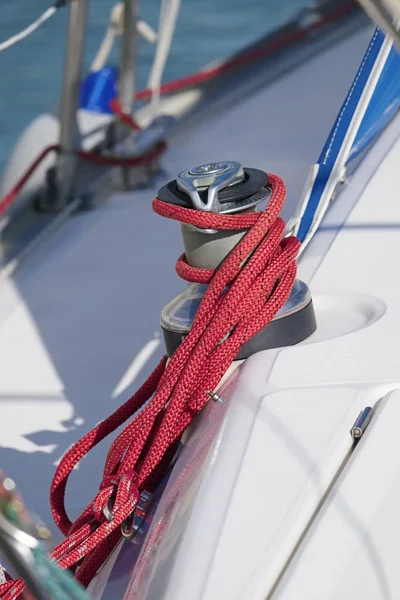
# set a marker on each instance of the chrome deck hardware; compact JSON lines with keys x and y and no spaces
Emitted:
{"x":215,"y":397}
{"x":225,"y":187}
{"x":131,"y":526}
{"x":362,"y":422}
{"x":209,"y":178}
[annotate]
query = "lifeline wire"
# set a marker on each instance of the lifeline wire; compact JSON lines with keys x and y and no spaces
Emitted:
{"x":18,"y":37}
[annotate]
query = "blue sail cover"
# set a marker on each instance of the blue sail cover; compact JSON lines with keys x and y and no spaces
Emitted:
{"x":383,"y":104}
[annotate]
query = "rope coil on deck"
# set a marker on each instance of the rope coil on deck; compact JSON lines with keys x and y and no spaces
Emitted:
{"x":244,"y":294}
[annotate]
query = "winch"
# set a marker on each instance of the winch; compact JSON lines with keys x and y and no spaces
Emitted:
{"x":248,"y":300}
{"x":226,"y":188}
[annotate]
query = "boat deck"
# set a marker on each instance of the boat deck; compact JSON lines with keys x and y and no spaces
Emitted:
{"x":79,"y":320}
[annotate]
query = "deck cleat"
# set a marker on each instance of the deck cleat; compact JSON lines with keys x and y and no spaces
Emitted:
{"x":226,"y":187}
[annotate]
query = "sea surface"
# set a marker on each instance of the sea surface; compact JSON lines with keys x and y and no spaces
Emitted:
{"x":31,"y":71}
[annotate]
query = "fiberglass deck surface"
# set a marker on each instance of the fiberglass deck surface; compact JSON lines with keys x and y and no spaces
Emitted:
{"x":80,"y":321}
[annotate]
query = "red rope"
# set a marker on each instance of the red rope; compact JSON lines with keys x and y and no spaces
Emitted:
{"x":243,"y":295}
{"x":109,"y":160}
{"x":194,"y":460}
{"x":123,"y":116}
{"x":259,"y":274}
{"x":13,"y":193}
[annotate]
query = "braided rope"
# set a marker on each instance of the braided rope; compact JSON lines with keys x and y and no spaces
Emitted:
{"x":243,"y":296}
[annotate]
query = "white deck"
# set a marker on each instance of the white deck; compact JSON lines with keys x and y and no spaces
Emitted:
{"x":79,"y":323}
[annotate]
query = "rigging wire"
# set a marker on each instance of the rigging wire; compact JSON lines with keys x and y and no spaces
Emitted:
{"x":18,"y":37}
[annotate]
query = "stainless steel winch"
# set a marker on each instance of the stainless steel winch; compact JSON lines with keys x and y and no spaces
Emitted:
{"x":227,"y":188}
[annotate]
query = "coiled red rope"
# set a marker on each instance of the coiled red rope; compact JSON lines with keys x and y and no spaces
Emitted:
{"x":243,"y":295}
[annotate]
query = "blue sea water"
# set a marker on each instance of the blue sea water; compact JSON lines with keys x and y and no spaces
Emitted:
{"x":31,"y":72}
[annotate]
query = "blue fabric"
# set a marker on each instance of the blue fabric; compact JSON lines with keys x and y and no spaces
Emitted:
{"x":383,"y":106}
{"x":98,"y":89}
{"x":336,"y":137}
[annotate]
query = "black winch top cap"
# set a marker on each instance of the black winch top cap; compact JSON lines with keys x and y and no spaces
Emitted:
{"x":254,"y":182}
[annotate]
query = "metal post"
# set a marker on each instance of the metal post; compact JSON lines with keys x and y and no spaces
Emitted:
{"x":127,"y":74}
{"x":73,"y":69}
